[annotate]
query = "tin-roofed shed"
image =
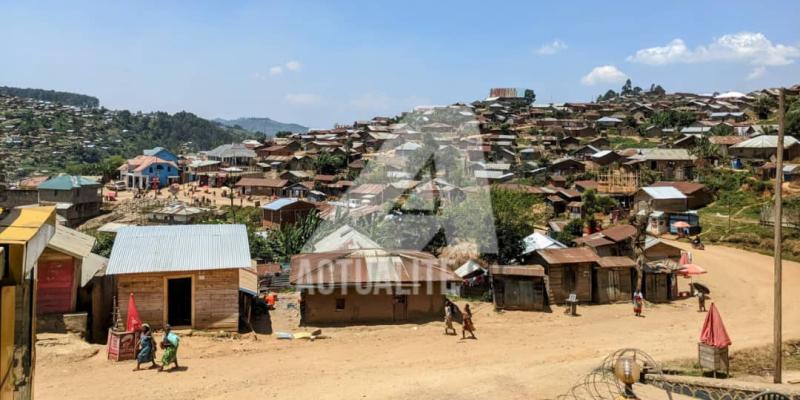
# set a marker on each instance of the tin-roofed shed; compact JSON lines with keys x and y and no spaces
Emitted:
{"x":370,"y":285}
{"x":184,"y":275}
{"x":519,"y":287}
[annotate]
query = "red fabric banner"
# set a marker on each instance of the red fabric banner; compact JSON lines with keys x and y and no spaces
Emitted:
{"x":714,"y":333}
{"x":134,"y":323}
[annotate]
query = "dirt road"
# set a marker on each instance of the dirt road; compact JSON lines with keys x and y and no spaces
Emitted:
{"x":519,"y":355}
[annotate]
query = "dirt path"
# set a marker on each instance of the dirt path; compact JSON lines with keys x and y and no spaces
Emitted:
{"x":519,"y":355}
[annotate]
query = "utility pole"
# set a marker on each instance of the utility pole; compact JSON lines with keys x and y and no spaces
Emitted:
{"x":778,"y":218}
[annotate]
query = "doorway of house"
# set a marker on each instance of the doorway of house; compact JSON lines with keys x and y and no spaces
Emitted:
{"x":179,"y":302}
{"x":400,"y":307}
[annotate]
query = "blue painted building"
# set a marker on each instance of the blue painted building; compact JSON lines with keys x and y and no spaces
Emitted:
{"x":161,"y":153}
{"x":145,"y":172}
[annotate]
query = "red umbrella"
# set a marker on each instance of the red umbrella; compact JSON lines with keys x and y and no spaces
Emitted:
{"x":681,"y":224}
{"x":691,"y":269}
{"x":714,"y":332}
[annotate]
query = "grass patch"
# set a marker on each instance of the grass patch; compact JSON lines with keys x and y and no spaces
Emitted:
{"x":745,"y":230}
{"x":748,"y":361}
{"x":628,"y":142}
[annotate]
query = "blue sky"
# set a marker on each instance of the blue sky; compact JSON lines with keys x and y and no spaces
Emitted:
{"x":318,"y":63}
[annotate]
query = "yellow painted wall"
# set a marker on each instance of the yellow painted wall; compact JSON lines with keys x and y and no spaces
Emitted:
{"x":6,"y":337}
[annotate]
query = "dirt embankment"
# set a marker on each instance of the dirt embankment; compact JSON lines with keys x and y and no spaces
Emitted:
{"x":518,"y":355}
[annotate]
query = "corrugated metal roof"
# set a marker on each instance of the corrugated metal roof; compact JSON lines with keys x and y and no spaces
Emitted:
{"x":280,"y":203}
{"x":538,"y":241}
{"x":72,"y":242}
{"x":616,"y":262}
{"x":468,"y":268}
{"x":762,"y":142}
{"x":373,"y":266}
{"x":344,"y":238}
{"x":167,"y":248}
{"x":231,"y":150}
{"x":90,"y":266}
{"x":517,"y":270}
{"x":568,"y":256}
{"x":663,"y":192}
{"x":663,"y":154}
{"x":67,"y":182}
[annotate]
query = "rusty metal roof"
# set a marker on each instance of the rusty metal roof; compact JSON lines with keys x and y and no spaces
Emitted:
{"x":619,"y":233}
{"x":568,"y":256}
{"x":517,"y":270}
{"x":616,"y":262}
{"x":369,"y":266}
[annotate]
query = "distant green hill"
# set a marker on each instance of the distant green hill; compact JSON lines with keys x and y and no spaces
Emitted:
{"x":266,"y":126}
{"x":66,"y":98}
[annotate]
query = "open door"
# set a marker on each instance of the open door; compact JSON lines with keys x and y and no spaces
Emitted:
{"x":570,"y":283}
{"x":179,"y":302}
{"x":400,"y":307}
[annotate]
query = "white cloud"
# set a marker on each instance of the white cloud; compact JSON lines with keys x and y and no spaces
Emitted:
{"x":302,"y":99}
{"x":746,"y":47}
{"x":603,"y":75}
{"x":757,"y":73}
{"x":276,"y":70}
{"x":551,"y":48}
{"x":257,"y":76}
{"x":293,"y":65}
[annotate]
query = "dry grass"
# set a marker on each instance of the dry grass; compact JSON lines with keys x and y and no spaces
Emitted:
{"x":748,"y":361}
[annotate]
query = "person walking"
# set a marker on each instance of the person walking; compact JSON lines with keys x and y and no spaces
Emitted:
{"x":638,"y":303}
{"x":701,"y":301}
{"x":146,"y":348}
{"x":448,"y":318}
{"x":170,"y":346}
{"x":467,"y":325}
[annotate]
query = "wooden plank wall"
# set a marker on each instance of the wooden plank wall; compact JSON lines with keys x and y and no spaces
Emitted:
{"x":215,"y":293}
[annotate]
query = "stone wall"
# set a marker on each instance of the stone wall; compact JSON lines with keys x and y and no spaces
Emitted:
{"x":717,"y":389}
{"x":15,"y":198}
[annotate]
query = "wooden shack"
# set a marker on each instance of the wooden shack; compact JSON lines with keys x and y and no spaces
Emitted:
{"x":518,"y":287}
{"x":569,"y":271}
{"x":65,"y":284}
{"x":370,"y":286}
{"x":614,"y":279}
{"x":660,"y":281}
{"x":184,"y":275}
{"x":284,"y":212}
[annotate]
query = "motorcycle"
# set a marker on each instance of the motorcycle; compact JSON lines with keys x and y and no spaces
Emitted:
{"x":697,"y":244}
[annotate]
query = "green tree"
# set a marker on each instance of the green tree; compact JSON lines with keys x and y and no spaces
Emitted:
{"x":722,"y":130}
{"x":763,"y":106}
{"x":705,"y":150}
{"x":328,"y":163}
{"x":626,"y":88}
{"x":594,"y":203}
{"x":530,"y":96}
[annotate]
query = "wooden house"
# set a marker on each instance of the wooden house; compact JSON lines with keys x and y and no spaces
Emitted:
{"x":370,"y":286}
{"x":660,"y":282}
{"x":614,"y":279}
{"x":519,"y":287}
{"x":566,"y":166}
{"x":261,"y":186}
{"x":569,"y":271}
{"x":76,"y":198}
{"x":285,"y":211}
{"x":192,"y":276}
{"x":697,"y":194}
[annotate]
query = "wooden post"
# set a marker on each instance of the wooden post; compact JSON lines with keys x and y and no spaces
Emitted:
{"x":777,"y":324}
